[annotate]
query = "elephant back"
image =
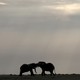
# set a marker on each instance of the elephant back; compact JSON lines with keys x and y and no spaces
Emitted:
{"x":32,"y":65}
{"x":50,"y":65}
{"x":24,"y":67}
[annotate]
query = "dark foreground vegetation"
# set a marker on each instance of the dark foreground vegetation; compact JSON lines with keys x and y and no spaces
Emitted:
{"x":39,"y":77}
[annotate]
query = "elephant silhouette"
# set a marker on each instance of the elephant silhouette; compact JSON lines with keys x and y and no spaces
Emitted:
{"x":46,"y":67}
{"x":28,"y":67}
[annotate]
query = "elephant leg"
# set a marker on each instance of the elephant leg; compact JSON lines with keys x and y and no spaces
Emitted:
{"x":51,"y":73}
{"x":31,"y":71}
{"x":20,"y":73}
{"x":43,"y":73}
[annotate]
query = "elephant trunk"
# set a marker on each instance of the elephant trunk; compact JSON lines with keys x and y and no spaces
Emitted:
{"x":35,"y":70}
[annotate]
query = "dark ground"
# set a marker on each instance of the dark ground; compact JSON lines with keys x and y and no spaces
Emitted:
{"x":39,"y":77}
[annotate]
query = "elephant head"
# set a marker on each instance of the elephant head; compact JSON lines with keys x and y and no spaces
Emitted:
{"x":33,"y":66}
{"x":46,"y":67}
{"x":28,"y":67}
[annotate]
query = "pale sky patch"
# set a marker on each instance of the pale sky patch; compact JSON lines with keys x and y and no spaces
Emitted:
{"x":34,"y":30}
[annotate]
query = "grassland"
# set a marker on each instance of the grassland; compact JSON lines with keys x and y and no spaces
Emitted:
{"x":39,"y":77}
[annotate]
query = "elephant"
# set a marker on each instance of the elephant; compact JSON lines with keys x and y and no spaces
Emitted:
{"x":28,"y":67}
{"x":46,"y":67}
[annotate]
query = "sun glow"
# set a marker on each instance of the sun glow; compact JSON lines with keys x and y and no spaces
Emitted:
{"x":2,"y":3}
{"x":65,"y":8}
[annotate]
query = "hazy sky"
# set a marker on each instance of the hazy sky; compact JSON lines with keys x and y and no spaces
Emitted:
{"x":40,"y":30}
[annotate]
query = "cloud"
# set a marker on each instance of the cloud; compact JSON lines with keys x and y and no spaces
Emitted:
{"x":32,"y":7}
{"x":64,"y":8}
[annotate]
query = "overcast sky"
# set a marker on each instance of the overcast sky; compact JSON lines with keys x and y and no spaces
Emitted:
{"x":40,"y":30}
